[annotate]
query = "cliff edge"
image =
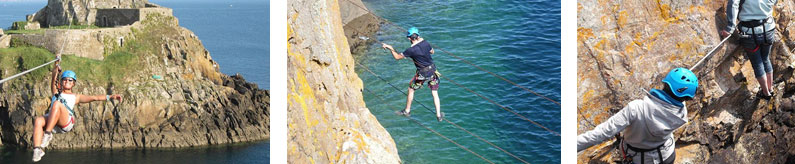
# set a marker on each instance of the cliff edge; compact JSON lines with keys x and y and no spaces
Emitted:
{"x":174,"y":94}
{"x":327,"y":118}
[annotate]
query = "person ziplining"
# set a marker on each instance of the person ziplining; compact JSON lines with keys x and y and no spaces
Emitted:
{"x":420,"y":52}
{"x":61,"y":110}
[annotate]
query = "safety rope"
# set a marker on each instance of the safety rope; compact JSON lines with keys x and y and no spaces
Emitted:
{"x":459,"y":58}
{"x":432,"y":111}
{"x":439,"y":134}
{"x":28,"y":71}
{"x":710,"y":53}
{"x":37,"y":67}
{"x":501,"y":106}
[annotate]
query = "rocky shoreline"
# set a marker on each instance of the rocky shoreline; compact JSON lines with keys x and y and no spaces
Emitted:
{"x":179,"y":99}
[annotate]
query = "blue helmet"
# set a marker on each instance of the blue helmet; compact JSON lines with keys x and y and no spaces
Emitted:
{"x":69,"y":74}
{"x":413,"y":30}
{"x":682,"y":82}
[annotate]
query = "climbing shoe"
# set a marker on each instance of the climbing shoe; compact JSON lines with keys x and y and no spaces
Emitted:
{"x":403,"y":113}
{"x":45,"y":140}
{"x":440,"y":117}
{"x":37,"y":154}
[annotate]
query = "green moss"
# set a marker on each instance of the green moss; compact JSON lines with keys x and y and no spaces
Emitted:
{"x":16,"y":42}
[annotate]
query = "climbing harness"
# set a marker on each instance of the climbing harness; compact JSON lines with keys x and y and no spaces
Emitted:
{"x":426,"y":73}
{"x":457,"y":57}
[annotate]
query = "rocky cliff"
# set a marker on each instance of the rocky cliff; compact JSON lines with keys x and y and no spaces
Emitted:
{"x":627,"y":46}
{"x":174,"y":94}
{"x":327,"y":118}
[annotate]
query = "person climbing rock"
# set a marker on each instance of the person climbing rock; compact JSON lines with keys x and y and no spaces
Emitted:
{"x":420,"y":51}
{"x":757,"y":35}
{"x":60,"y":118}
{"x":648,"y":124}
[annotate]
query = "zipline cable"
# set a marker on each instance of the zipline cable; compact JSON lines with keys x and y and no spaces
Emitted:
{"x":446,"y":120}
{"x":28,"y":71}
{"x":439,"y":134}
{"x":37,"y":67}
{"x":461,"y":59}
{"x":501,"y":106}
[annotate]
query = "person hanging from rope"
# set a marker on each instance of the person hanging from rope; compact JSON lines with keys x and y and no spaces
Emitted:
{"x":420,"y":52}
{"x":60,"y":118}
{"x":648,"y":124}
{"x":757,"y":35}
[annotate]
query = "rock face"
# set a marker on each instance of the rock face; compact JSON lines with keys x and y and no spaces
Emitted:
{"x":359,"y":24}
{"x":327,"y":118}
{"x":191,"y":104}
{"x":632,"y":45}
{"x":60,"y":12}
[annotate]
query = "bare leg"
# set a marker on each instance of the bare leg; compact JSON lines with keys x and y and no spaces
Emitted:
{"x":763,"y":83}
{"x":54,"y":114}
{"x":38,"y":130}
{"x":436,"y":102}
{"x":409,"y":99}
{"x":770,"y":82}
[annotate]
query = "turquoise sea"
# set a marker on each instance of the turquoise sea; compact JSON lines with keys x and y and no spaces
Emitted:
{"x":236,"y":33}
{"x":517,"y":39}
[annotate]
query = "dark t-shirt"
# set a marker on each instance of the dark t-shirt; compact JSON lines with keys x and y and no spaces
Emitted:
{"x":420,"y":53}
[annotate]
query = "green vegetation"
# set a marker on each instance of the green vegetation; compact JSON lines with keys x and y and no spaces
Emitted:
{"x":120,"y":62}
{"x":75,"y":27}
{"x":18,"y":59}
{"x":19,"y":25}
{"x":36,"y":31}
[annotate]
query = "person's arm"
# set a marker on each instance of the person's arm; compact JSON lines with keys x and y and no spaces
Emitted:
{"x":54,"y":80}
{"x":395,"y":54}
{"x":609,"y":128}
{"x":732,"y":10}
{"x":431,"y":51}
{"x":87,"y":98}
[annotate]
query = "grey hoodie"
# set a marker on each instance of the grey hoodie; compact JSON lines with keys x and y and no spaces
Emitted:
{"x":646,"y":123}
{"x":752,"y":10}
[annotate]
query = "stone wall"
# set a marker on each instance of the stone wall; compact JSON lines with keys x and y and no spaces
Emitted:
{"x":83,"y":12}
{"x":328,"y":121}
{"x":116,"y":17}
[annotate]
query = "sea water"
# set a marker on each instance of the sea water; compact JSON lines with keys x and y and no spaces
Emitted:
{"x":517,"y":39}
{"x":236,"y":33}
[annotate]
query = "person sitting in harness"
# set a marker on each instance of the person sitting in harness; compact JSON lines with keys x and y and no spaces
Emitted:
{"x":757,"y":35}
{"x":648,"y":124}
{"x":420,"y":52}
{"x":61,"y":117}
